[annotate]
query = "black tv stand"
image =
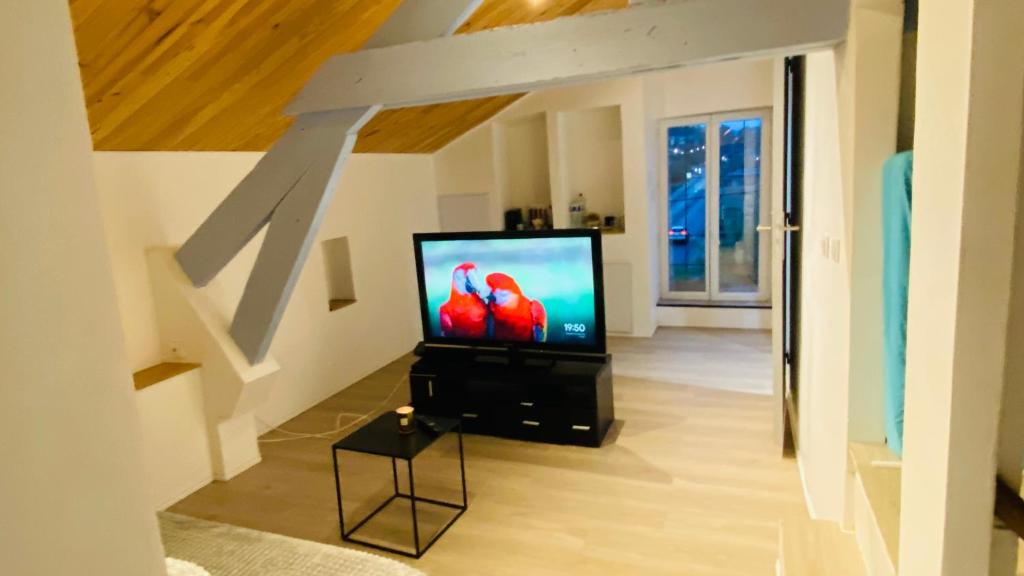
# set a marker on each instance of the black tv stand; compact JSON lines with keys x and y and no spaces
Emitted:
{"x":560,"y":398}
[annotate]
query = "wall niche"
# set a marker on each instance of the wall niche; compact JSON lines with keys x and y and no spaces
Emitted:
{"x":341,"y":290}
{"x":591,"y":154}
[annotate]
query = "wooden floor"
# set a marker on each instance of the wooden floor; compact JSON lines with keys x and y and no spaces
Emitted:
{"x":689,"y":482}
{"x":738,"y":360}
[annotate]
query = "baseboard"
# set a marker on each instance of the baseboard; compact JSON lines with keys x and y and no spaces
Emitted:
{"x":236,"y":470}
{"x":803,"y":483}
{"x":183,"y":493}
{"x":705,"y":317}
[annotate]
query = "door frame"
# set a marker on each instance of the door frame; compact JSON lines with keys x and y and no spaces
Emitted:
{"x":764,"y":249}
{"x":766,"y":267}
{"x":663,"y":126}
{"x":788,"y":179}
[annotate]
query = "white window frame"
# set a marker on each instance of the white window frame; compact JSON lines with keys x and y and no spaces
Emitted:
{"x":712,"y":292}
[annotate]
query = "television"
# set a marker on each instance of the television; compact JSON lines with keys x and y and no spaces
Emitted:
{"x":538,"y":290}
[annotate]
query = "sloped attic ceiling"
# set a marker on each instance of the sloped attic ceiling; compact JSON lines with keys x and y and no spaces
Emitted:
{"x":214,"y":75}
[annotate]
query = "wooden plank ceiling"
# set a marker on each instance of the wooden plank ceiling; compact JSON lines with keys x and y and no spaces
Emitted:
{"x":208,"y":75}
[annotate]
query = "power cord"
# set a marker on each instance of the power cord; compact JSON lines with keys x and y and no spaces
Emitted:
{"x":338,"y":428}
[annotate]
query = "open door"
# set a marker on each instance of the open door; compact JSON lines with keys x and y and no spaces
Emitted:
{"x":792,"y":201}
{"x":784,"y":229}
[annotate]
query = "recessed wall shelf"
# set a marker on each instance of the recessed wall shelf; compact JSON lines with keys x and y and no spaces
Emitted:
{"x":159,"y":372}
{"x":341,"y":290}
{"x":339,"y":303}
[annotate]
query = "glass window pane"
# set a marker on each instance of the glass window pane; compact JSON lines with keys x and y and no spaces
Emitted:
{"x":687,"y":204}
{"x":739,"y":205}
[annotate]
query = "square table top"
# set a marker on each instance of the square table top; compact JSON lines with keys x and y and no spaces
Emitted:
{"x":380,"y":436}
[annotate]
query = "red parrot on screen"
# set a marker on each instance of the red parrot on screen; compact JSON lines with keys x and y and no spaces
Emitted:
{"x":515,"y":317}
{"x":464,"y":315}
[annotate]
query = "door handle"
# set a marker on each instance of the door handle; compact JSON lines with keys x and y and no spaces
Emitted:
{"x":769,"y":228}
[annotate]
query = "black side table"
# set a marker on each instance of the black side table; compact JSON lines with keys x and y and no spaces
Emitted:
{"x":380,"y":437}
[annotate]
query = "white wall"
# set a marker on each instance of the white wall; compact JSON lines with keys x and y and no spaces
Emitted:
{"x":851,"y":102}
{"x":158,"y":199}
{"x":71,"y":491}
{"x":970,"y":89}
{"x":172,"y":426}
{"x":869,"y":88}
{"x":466,"y":165}
{"x":527,"y":182}
{"x":729,"y":86}
{"x":825,"y":297}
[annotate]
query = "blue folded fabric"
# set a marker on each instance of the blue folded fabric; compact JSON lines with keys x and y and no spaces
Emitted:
{"x":896,"y":202}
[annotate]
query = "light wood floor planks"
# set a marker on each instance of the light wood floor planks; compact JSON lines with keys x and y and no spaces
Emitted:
{"x":737,"y":360}
{"x":690,"y":483}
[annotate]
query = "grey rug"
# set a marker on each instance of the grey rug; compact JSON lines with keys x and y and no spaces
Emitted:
{"x":226,"y":550}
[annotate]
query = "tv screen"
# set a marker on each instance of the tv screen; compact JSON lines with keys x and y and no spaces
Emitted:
{"x":537,"y":290}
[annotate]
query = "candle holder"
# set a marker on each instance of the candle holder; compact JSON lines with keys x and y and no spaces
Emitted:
{"x":406,"y":420}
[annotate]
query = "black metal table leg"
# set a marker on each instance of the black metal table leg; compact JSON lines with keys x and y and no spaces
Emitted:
{"x":394,"y":475}
{"x":412,"y":501}
{"x":337,"y":492}
{"x":367,"y":446}
{"x":462,"y":470}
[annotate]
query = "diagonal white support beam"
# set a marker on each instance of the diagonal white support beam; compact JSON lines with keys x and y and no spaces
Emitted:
{"x":250,"y":205}
{"x":572,"y":49}
{"x":292,"y":230}
{"x":290,"y":188}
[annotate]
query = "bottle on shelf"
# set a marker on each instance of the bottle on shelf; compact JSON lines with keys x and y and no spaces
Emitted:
{"x":577,"y":211}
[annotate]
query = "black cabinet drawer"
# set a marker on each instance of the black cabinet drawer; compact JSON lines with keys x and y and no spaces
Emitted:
{"x":545,"y":400}
{"x":422,"y":388}
{"x":492,"y":390}
{"x":580,"y":395}
{"x":583,"y":435}
{"x":527,"y":421}
{"x":433,"y":395}
{"x":476,"y":418}
{"x":582,"y":426}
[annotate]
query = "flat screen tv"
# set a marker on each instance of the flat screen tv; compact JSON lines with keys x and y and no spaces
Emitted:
{"x":539,"y":290}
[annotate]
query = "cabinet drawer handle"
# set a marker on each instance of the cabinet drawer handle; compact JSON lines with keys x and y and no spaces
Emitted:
{"x":470,"y":415}
{"x":527,"y":404}
{"x":531,"y":423}
{"x":430,"y":388}
{"x":581,"y":428}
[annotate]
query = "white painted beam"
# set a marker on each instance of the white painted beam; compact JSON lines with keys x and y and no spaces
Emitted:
{"x":572,"y":49}
{"x":292,"y":230}
{"x":250,"y":205}
{"x":422,"y":20}
{"x":290,"y":188}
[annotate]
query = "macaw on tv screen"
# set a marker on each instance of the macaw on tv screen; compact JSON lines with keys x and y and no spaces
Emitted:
{"x":536,"y":290}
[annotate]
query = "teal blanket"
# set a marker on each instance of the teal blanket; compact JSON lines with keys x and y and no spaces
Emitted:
{"x":896,"y":201}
